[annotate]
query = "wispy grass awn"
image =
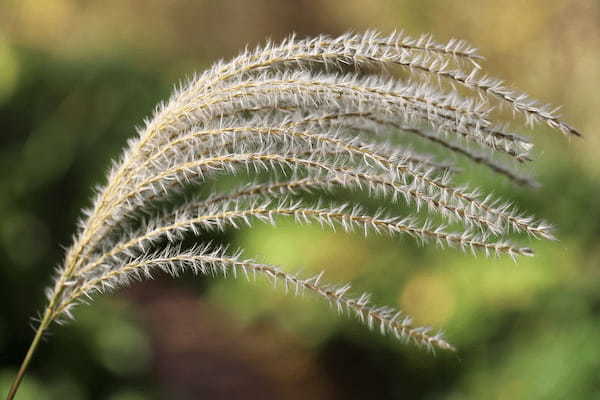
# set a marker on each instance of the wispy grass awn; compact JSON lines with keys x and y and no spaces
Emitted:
{"x":314,"y":114}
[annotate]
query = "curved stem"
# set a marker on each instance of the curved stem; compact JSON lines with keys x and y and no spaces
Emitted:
{"x":32,"y":347}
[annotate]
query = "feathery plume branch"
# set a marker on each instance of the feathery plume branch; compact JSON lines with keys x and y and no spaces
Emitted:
{"x":312,"y":114}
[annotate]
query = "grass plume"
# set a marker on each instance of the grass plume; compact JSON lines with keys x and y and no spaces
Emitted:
{"x":312,"y":114}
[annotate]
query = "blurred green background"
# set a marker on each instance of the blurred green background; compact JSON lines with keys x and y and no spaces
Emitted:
{"x":77,"y":76}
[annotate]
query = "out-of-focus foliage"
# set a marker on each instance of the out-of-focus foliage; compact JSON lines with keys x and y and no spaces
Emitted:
{"x":76,"y":77}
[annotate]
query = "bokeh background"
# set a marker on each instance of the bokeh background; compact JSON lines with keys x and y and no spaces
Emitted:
{"x":77,"y":76}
